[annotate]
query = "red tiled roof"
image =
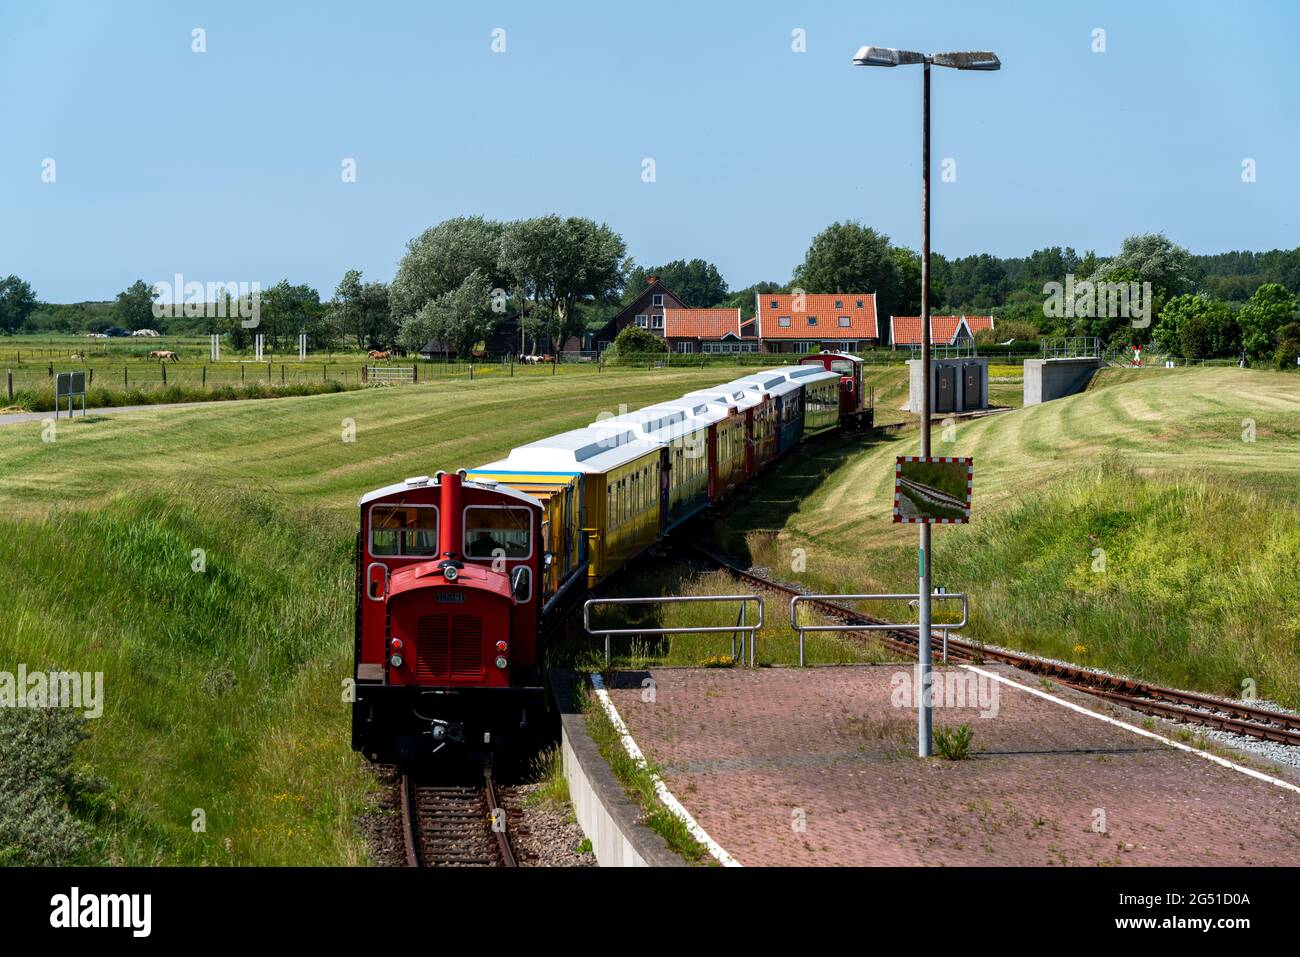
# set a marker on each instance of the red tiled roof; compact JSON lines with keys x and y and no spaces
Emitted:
{"x":906,"y":330}
{"x":822,"y":308}
{"x":701,"y":323}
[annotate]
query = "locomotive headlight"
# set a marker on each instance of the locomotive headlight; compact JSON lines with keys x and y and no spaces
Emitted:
{"x":449,"y":572}
{"x":501,"y":646}
{"x":396,"y":660}
{"x":501,"y":662}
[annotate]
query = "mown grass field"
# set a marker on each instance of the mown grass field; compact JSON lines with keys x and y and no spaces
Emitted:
{"x":223,"y":686}
{"x":1150,"y":525}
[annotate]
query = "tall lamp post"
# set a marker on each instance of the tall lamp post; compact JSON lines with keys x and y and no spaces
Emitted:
{"x":887,"y":56}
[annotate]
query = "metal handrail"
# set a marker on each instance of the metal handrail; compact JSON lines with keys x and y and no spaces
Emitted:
{"x":742,"y":626}
{"x":879,"y":626}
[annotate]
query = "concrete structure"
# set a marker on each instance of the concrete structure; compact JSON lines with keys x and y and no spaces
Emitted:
{"x":1048,"y":379}
{"x":609,"y":818}
{"x":956,"y":385}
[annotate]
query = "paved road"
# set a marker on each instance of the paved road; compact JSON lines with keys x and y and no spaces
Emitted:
{"x":15,"y":417}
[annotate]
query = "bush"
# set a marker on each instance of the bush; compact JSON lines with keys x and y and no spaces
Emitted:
{"x":37,"y":829}
{"x":637,"y":341}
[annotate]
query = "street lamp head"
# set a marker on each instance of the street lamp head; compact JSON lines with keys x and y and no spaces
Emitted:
{"x":975,"y":60}
{"x":886,"y":56}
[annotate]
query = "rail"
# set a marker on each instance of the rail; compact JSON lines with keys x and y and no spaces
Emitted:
{"x":742,"y":627}
{"x":945,"y":627}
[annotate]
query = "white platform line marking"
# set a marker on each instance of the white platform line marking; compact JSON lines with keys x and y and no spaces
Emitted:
{"x":1249,"y":772}
{"x":661,"y":790}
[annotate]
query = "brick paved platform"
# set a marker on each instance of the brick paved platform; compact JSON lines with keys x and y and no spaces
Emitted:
{"x":753,"y":755}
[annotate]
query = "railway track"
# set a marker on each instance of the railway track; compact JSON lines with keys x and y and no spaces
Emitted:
{"x":1186,"y":706}
{"x":454,"y":825}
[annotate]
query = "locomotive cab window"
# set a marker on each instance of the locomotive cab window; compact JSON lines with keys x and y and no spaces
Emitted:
{"x":493,"y":531}
{"x":403,"y":530}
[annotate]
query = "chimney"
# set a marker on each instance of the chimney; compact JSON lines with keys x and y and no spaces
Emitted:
{"x":449,"y":520}
{"x":651,"y":280}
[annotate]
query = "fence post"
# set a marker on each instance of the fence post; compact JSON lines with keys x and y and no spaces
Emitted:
{"x":268,"y":372}
{"x":281,"y":375}
{"x":241,"y":373}
{"x":324,"y":372}
{"x":415,"y":373}
{"x":9,"y":380}
{"x":471,"y":372}
{"x":204,"y":377}
{"x":364,"y":376}
{"x":124,"y":378}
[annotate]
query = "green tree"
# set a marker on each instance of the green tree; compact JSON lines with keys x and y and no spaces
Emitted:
{"x":1271,"y":307}
{"x":746,"y":299}
{"x":345,"y":308}
{"x":16,"y":303}
{"x":558,"y":263}
{"x":697,"y":283}
{"x":850,"y":257}
{"x":1197,"y":327}
{"x":1288,"y":346}
{"x":459,"y":319}
{"x":441,"y":258}
{"x":288,"y":310}
{"x":134,"y":306}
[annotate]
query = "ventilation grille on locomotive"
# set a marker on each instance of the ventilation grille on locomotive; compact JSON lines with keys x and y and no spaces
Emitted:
{"x":449,"y":646}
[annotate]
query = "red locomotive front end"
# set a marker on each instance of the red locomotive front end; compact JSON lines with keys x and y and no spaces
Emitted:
{"x":446,"y":618}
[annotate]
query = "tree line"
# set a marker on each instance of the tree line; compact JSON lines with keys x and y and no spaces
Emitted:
{"x":561,"y":276}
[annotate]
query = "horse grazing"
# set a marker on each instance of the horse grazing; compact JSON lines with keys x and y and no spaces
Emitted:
{"x":378,"y":354}
{"x":164,"y":355}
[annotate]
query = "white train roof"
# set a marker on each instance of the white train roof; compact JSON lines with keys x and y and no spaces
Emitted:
{"x":578,"y":450}
{"x":766,"y":383}
{"x":698,"y":409}
{"x":732,"y":396}
{"x":804,"y":374}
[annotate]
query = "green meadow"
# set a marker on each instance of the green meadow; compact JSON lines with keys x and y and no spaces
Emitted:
{"x":224,"y":737}
{"x":1150,"y":525}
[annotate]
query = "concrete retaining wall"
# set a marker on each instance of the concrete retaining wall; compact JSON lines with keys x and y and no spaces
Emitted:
{"x":1048,"y":379}
{"x":609,"y":818}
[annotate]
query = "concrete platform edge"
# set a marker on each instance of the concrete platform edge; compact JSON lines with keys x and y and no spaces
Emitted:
{"x":608,"y":817}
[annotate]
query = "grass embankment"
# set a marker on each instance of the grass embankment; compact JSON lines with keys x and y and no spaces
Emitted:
{"x":222,"y":687}
{"x":1150,"y":525}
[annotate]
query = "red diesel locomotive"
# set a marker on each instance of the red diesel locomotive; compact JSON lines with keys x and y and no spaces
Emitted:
{"x":461,"y":576}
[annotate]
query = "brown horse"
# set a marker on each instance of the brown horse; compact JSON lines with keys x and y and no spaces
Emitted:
{"x":164,"y":355}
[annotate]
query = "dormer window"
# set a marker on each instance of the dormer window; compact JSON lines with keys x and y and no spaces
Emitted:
{"x":839,"y":303}
{"x":859,"y":303}
{"x":775,"y":305}
{"x":812,"y":320}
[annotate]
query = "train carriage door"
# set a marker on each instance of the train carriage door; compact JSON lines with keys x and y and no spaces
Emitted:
{"x":714,"y":436}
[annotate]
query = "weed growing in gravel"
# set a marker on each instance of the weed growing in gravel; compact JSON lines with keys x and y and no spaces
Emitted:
{"x":953,"y":744}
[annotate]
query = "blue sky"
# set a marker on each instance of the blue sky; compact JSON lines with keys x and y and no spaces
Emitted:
{"x":226,"y":165}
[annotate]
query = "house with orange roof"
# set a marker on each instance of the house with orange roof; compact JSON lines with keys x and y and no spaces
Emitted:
{"x":905,"y":331}
{"x":811,"y":322}
{"x":705,"y":330}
